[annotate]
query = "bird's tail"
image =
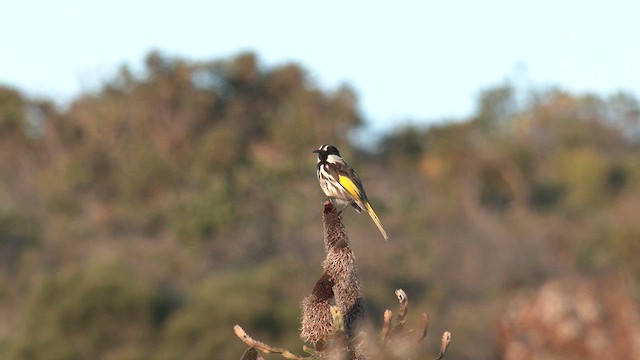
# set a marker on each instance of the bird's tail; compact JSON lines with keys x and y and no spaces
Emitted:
{"x":376,"y":220}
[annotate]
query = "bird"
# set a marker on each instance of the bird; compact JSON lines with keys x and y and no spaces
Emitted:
{"x":342,"y":184}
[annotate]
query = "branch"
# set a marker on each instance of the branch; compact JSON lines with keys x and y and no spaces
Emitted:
{"x":264,"y":347}
{"x":404,"y":309}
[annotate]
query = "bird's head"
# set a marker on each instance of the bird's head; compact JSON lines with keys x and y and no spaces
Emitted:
{"x":325,"y":150}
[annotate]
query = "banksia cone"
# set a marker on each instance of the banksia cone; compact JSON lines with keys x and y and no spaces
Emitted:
{"x":340,"y":266}
{"x":316,"y":314}
{"x":338,"y":286}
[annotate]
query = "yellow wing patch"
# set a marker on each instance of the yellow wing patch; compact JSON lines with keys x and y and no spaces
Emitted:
{"x":350,"y":186}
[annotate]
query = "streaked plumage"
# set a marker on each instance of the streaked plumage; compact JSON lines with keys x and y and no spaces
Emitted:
{"x":341,"y":183}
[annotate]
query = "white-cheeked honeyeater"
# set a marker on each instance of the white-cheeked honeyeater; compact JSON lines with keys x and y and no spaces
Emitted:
{"x":342,"y":184}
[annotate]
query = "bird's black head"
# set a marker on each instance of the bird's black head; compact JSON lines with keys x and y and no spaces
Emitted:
{"x":326,"y":150}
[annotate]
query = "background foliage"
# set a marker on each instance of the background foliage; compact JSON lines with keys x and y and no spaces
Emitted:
{"x":147,"y":218}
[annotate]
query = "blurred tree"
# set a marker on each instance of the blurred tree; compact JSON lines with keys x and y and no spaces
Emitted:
{"x":17,"y":232}
{"x":408,"y":143}
{"x":186,"y":172}
{"x":12,"y":113}
{"x":496,"y":105}
{"x":101,"y":312}
{"x":260,"y":299}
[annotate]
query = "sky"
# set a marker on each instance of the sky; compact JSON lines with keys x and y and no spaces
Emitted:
{"x":418,"y":61}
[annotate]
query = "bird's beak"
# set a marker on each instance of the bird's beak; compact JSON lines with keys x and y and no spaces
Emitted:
{"x":316,"y":151}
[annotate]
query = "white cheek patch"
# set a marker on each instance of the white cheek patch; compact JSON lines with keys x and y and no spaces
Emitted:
{"x":334,"y":159}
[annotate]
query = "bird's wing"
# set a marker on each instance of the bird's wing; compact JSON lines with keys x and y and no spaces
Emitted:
{"x":348,"y":179}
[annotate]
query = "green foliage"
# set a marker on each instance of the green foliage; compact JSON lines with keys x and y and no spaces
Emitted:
{"x":98,"y":312}
{"x":257,"y":299}
{"x":496,"y":105}
{"x":546,"y":195}
{"x":17,"y":233}
{"x":584,"y":174}
{"x":203,"y":214}
{"x":408,"y":143}
{"x":12,"y":112}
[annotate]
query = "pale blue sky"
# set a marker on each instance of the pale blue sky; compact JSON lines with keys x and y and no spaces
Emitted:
{"x":421,"y":60}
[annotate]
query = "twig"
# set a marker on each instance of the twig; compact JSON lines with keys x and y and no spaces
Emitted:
{"x":386,"y":325}
{"x":262,"y":346}
{"x":444,"y":344}
{"x":425,"y":326}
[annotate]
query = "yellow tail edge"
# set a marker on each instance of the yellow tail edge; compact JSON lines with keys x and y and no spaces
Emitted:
{"x":376,"y":220}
